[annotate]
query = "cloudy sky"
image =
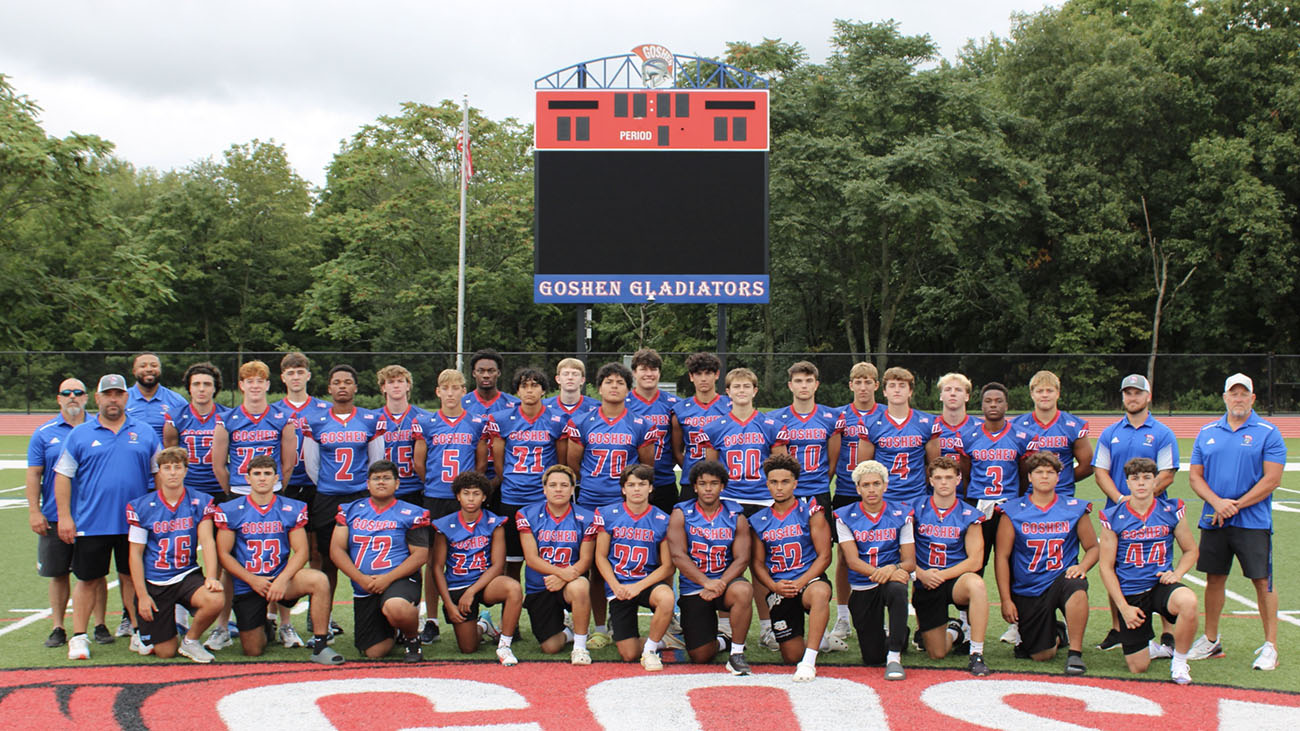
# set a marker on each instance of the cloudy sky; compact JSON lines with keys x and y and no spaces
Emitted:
{"x":173,"y":82}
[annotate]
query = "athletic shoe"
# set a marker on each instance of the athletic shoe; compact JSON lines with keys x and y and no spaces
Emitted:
{"x":597,"y":640}
{"x":1265,"y":657}
{"x":413,"y":651}
{"x":831,"y":643}
{"x":977,"y":666}
{"x":1110,"y":642}
{"x":1074,"y":665}
{"x":673,"y":642}
{"x":767,"y":638}
{"x":805,"y":672}
{"x":1012,"y":635}
{"x":651,"y":662}
{"x":506,"y":657}
{"x":218,"y":639}
{"x":124,"y":628}
{"x":326,"y":656}
{"x":182,"y":620}
{"x":1203,"y":649}
{"x":955,"y":626}
{"x":675,"y":625}
{"x":843,"y":628}
{"x":490,"y":631}
{"x":138,"y":646}
{"x":289,"y":636}
{"x":58,"y":638}
{"x":918,"y":641}
{"x":430,"y":633}
{"x":79,"y":648}
{"x":579,"y":656}
{"x":1180,"y":674}
{"x":1062,"y":635}
{"x":103,"y":636}
{"x":195,"y":651}
{"x":894,"y":671}
{"x":737,"y":665}
{"x":1167,"y":639}
{"x":568,"y":620}
{"x":1158,"y":651}
{"x":335,"y":629}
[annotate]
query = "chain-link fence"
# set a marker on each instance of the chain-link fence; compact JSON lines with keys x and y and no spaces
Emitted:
{"x":1090,"y":381}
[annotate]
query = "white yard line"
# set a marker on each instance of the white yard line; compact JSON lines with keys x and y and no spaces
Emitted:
{"x":1284,"y":616}
{"x":37,"y":615}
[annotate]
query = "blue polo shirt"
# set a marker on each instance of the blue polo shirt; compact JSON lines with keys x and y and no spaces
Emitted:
{"x":153,"y":411}
{"x":1233,"y":462}
{"x":1121,"y":442}
{"x":43,"y":451}
{"x":107,"y":471}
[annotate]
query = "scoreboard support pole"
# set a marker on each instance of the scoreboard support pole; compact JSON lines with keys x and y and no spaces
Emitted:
{"x":582,"y":331}
{"x":722,"y":335}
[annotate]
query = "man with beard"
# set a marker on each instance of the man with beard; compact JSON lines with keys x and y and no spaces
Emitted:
{"x":149,"y":401}
{"x":54,"y":557}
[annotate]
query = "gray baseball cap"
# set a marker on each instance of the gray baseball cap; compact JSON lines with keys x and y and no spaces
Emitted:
{"x":1135,"y":380}
{"x":111,"y":382}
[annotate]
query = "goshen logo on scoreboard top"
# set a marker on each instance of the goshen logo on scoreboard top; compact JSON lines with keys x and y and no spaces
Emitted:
{"x":614,"y":696}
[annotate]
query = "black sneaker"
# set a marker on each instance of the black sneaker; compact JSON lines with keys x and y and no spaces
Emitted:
{"x":413,"y":652}
{"x":430,"y":633}
{"x":737,"y":665}
{"x":917,"y":641}
{"x":335,"y":629}
{"x":977,"y":666}
{"x":58,"y":638}
{"x":1062,"y":635}
{"x":103,"y":636}
{"x":1020,"y":652}
{"x":1112,"y":640}
{"x":1167,"y":639}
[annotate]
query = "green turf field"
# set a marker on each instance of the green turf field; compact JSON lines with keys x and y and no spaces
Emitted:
{"x":25,"y":593}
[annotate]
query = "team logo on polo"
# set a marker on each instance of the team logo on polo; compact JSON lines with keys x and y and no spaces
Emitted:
{"x":1245,"y":440}
{"x":657,"y":67}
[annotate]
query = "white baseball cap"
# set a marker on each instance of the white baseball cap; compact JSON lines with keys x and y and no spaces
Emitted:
{"x":1239,"y":379}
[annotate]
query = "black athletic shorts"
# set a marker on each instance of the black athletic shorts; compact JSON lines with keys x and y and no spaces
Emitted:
{"x":53,"y":556}
{"x":622,"y":613}
{"x":370,"y":625}
{"x":306,"y":493}
{"x":846,"y":496}
{"x":165,"y":598}
{"x":664,"y":497}
{"x":250,"y":610}
{"x":699,"y":617}
{"x":1253,"y":548}
{"x":456,"y":594}
{"x":514,"y":548}
{"x":90,"y":556}
{"x":787,"y":612}
{"x":824,"y":499}
{"x":931,"y":605}
{"x":749,"y":509}
{"x":1038,"y":613}
{"x":546,"y":613}
{"x":1152,"y":601}
{"x":324,"y":517}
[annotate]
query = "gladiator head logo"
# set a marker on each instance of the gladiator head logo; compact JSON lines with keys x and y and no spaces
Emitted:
{"x":656,"y":65}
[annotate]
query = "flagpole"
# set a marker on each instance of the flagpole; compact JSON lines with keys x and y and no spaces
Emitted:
{"x":460,"y":270}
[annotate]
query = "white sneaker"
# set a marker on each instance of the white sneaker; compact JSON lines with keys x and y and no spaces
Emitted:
{"x":1158,"y":651}
{"x":1180,"y":674}
{"x":1012,"y":635}
{"x":506,"y":657}
{"x":124,"y":628}
{"x":843,"y":628}
{"x":675,"y":626}
{"x":651,"y":662}
{"x":673,"y":642}
{"x":79,"y":647}
{"x":831,"y":643}
{"x":138,"y":646}
{"x":182,"y":619}
{"x":767,"y":639}
{"x":195,"y":651}
{"x":579,"y":656}
{"x":218,"y":639}
{"x":805,"y":672}
{"x":289,"y":636}
{"x":1203,"y":649}
{"x":1265,"y":657}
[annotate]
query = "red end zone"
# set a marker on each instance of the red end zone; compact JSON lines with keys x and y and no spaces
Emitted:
{"x":559,"y":696}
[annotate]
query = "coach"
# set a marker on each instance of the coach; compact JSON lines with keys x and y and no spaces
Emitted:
{"x":106,"y":462}
{"x":1237,"y":462}
{"x":149,"y":401}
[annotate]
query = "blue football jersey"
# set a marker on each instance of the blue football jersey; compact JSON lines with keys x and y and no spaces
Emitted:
{"x":877,"y":537}
{"x":452,"y":445}
{"x":633,"y":541}
{"x":43,"y":451}
{"x":693,"y":415}
{"x":170,"y":533}
{"x":855,"y":425}
{"x":940,"y":535}
{"x":399,"y":448}
{"x":474,"y":404}
{"x":377,"y":537}
{"x":251,"y":435}
{"x":1145,"y":543}
{"x":261,"y":533}
{"x":709,"y":540}
{"x":742,"y":446}
{"x":954,"y":438}
{"x":343,"y":446}
{"x":195,"y":433}
{"x":1047,"y":542}
{"x":298,"y":416}
{"x":529,"y":451}
{"x":995,"y":462}
{"x":807,"y":438}
{"x":469,"y":546}
{"x":584,"y":404}
{"x":900,"y":446}
{"x":788,"y":547}
{"x":559,"y":538}
{"x":609,"y":446}
{"x":1057,"y":436}
{"x":658,"y":412}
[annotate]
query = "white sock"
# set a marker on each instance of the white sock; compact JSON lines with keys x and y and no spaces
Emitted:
{"x":809,"y":657}
{"x":579,"y":642}
{"x":722,"y":643}
{"x":1270,"y":646}
{"x":765,"y":624}
{"x":568,"y":635}
{"x":738,"y":648}
{"x":482,"y":627}
{"x":976,"y":648}
{"x":965,"y":618}
{"x":601,"y":629}
{"x":650,"y":646}
{"x":1180,"y":657}
{"x":894,"y":656}
{"x":505,"y":640}
{"x":724,"y":626}
{"x":952,"y":635}
{"x":842,"y":612}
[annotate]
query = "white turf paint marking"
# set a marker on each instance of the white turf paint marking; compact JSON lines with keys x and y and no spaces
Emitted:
{"x":38,"y":615}
{"x":981,"y":702}
{"x":1284,"y":616}
{"x":14,"y":489}
{"x":1244,"y":716}
{"x":12,"y":503}
{"x":13,"y":464}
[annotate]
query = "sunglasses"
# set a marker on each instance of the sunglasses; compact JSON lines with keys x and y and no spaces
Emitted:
{"x":72,"y":392}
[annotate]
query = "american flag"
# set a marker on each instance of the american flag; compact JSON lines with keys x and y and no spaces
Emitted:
{"x":463,"y":146}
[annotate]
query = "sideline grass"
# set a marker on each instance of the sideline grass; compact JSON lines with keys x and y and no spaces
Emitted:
{"x":23,"y":590}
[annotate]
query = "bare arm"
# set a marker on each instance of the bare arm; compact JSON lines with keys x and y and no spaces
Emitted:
{"x":1082,"y":449}
{"x":221,"y":457}
{"x":288,"y":451}
{"x":32,"y":491}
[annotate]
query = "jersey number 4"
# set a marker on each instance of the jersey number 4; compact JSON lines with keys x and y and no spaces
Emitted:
{"x":1134,"y":557}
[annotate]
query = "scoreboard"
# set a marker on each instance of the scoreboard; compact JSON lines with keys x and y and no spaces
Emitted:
{"x":651,"y":195}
